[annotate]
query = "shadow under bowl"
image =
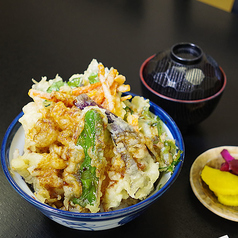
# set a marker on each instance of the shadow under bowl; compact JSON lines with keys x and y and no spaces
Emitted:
{"x":186,"y":113}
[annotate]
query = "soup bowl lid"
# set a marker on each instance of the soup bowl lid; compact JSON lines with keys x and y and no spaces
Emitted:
{"x":183,"y":72}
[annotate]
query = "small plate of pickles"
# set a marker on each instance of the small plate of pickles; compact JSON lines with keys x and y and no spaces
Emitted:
{"x":212,"y":158}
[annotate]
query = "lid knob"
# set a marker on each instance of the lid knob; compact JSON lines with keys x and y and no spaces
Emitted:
{"x":186,"y":53}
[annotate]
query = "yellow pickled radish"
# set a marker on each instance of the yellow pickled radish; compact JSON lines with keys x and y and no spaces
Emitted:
{"x":220,"y":182}
{"x":229,"y":200}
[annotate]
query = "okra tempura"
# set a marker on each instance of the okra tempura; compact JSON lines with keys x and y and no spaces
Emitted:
{"x":87,"y":147}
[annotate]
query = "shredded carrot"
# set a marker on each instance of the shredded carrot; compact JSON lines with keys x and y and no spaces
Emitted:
{"x":85,"y":89}
{"x":110,"y":102}
{"x":53,"y":97}
{"x":99,"y":97}
{"x":36,"y":93}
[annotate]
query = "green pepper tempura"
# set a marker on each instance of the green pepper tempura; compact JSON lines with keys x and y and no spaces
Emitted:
{"x":89,"y":139}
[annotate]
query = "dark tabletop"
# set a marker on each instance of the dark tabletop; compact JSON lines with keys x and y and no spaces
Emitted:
{"x":45,"y":38}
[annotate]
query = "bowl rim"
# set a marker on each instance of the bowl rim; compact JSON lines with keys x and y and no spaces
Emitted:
{"x":15,"y":125}
{"x":180,"y":100}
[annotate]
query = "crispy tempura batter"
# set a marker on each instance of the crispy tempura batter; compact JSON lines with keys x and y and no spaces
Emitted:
{"x":107,"y":92}
{"x":53,"y":160}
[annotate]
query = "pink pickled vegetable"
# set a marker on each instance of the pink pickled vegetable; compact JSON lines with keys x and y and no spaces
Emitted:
{"x":226,"y":155}
{"x":231,"y":164}
{"x":225,"y":167}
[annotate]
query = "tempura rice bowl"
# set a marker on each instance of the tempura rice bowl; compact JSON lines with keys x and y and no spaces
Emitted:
{"x":14,"y":139}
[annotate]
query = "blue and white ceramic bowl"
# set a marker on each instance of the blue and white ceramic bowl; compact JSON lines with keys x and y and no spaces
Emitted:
{"x":14,"y":139}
